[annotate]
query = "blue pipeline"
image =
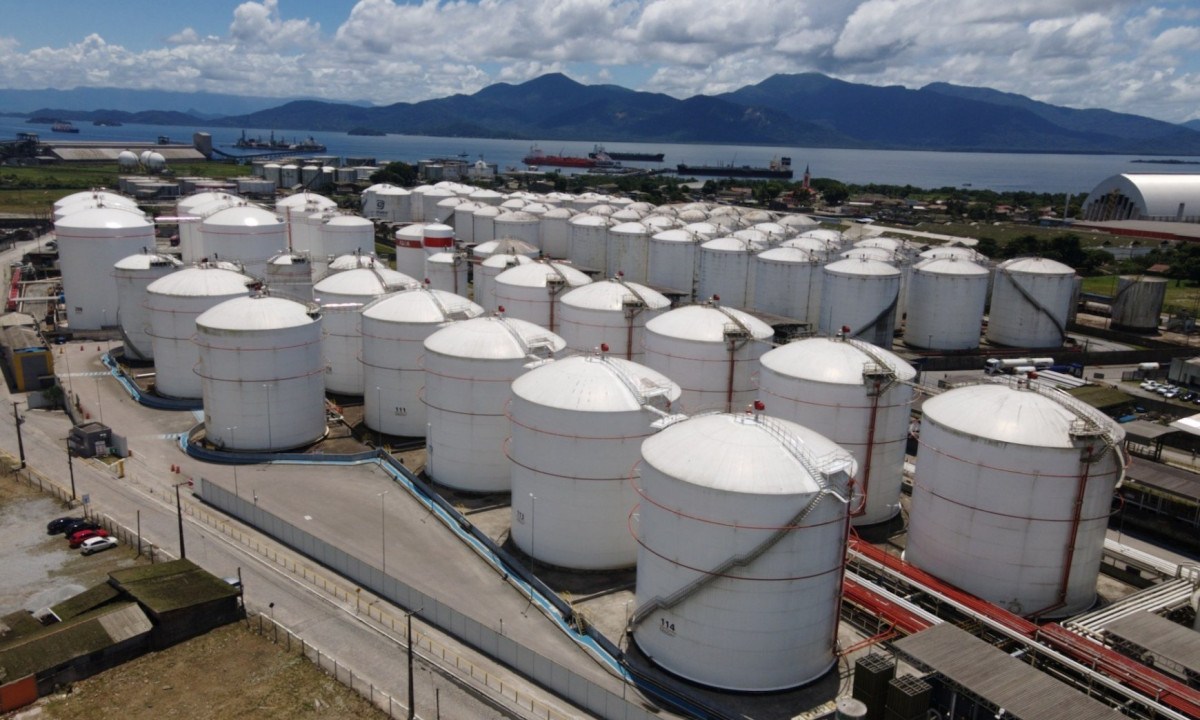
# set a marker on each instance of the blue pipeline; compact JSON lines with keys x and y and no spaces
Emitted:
{"x":150,"y":401}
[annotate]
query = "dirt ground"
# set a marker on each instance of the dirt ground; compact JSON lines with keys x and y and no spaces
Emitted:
{"x":229,"y":673}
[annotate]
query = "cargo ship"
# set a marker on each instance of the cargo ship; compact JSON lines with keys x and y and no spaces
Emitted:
{"x":306,"y":145}
{"x":631,"y":156}
{"x":778,"y":168}
{"x":537,"y":157}
{"x":63,"y":126}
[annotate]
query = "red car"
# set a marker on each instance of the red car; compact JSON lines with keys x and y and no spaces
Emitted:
{"x":77,"y":539}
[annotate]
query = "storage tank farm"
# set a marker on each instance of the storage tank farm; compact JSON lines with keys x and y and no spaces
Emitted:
{"x":91,"y":200}
{"x":483,"y":225}
{"x":246,"y":234}
{"x":554,"y":232}
{"x":417,"y":204}
{"x":394,"y":329}
{"x":1012,"y":492}
{"x":484,"y":287}
{"x":261,"y":373}
{"x":946,"y":301}
{"x":340,"y":234}
{"x":290,"y":275}
{"x":190,"y":211}
{"x":410,"y":250}
{"x":611,"y":312}
{"x":393,"y":204}
{"x":860,"y":294}
{"x":469,"y":369}
{"x":725,"y":269}
{"x":484,"y":196}
{"x":133,"y":275}
{"x":463,"y":221}
{"x":342,"y":297}
{"x":519,"y":225}
{"x":1030,"y":301}
{"x":577,"y":429}
{"x":787,"y":283}
{"x":173,"y":303}
{"x":1138,"y":302}
{"x":533,"y":292}
{"x":712,"y":351}
{"x":587,"y":245}
{"x":741,"y":528}
{"x":628,"y":251}
{"x":860,"y":396}
{"x":672,"y":261}
{"x":297,"y":210}
{"x":90,"y":242}
{"x":430,"y":204}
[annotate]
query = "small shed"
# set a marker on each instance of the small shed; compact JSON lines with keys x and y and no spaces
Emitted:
{"x":90,"y":440}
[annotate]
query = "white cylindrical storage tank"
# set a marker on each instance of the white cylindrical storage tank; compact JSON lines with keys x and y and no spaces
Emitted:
{"x":955,"y":251}
{"x":469,"y":369}
{"x":290,"y":275}
{"x":534,"y":292}
{"x":368,"y":200}
{"x":577,"y":430}
{"x":464,"y":221}
{"x":819,"y":249}
{"x":741,"y":529}
{"x":437,"y":238}
{"x":447,"y":271}
{"x":342,"y":296}
{"x":513,"y":203}
{"x":173,"y":303}
{"x":787,"y":282}
{"x":343,"y":235}
{"x":394,"y":204}
{"x":1138,"y":303}
{"x":711,"y":351}
{"x":588,"y":241}
{"x":1030,"y":301}
{"x":99,"y":200}
{"x":191,"y":210}
{"x":431,"y":210}
{"x":273,"y":172}
{"x":504,"y":246}
{"x":673,"y":261}
{"x":520,"y":225}
{"x":798,"y":223}
{"x":410,"y":249}
{"x":309,"y":175}
{"x":554,"y":232}
{"x":483,"y":226}
{"x":394,"y":329}
{"x":90,"y":242}
{"x":946,"y":298}
{"x":99,"y":197}
{"x":860,"y":396}
{"x":304,"y":227}
{"x":245,"y":234}
{"x":417,"y":207}
{"x":261,"y":373}
{"x":611,"y":312}
{"x":1013,"y":489}
{"x":133,"y":275}
{"x":486,"y":197}
{"x":289,"y":175}
{"x":877,"y":254}
{"x":725,"y":270}
{"x":353,"y":261}
{"x":484,"y":288}
{"x":628,"y":251}
{"x":860,"y":295}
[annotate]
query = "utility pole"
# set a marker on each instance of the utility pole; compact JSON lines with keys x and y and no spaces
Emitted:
{"x":71,"y":469}
{"x":20,"y":441}
{"x":179,"y":514}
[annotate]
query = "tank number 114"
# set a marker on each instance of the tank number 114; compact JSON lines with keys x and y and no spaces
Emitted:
{"x":666,"y":626}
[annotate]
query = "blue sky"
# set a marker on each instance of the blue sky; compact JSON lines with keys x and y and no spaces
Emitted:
{"x":1123,"y":55}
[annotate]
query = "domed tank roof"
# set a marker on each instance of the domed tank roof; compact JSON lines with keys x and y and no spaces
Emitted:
{"x":593,"y":383}
{"x":535,"y":274}
{"x":1036,"y":266}
{"x":487,"y":211}
{"x":364,"y":281}
{"x":104,"y":196}
{"x":353,"y":221}
{"x":200,"y":282}
{"x":504,"y":246}
{"x":145,"y":261}
{"x":104,"y":217}
{"x":505,"y":260}
{"x":492,"y":337}
{"x":559,"y":213}
{"x":288,"y":258}
{"x":743,"y":453}
{"x":787,"y":254}
{"x":589,"y":220}
{"x":304,"y":199}
{"x":197,"y":200}
{"x":516,"y":216}
{"x":733,"y":244}
{"x":255,"y":313}
{"x":613,"y":294}
{"x":950,"y":266}
{"x":241,"y":216}
{"x":706,"y":323}
{"x":679,"y":235}
{"x":421,"y":305}
{"x":869,"y":253}
{"x":862,"y":266}
{"x":835,"y":361}
{"x":1004,"y":412}
{"x":629,"y":228}
{"x":351,"y":261}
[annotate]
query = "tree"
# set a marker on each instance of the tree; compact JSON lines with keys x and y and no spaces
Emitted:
{"x":396,"y":173}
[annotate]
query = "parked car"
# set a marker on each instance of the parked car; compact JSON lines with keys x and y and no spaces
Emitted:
{"x":234,"y":581}
{"x":78,"y":525}
{"x":78,"y":538}
{"x":1187,"y":396}
{"x":97,"y":544}
{"x":57,"y":525}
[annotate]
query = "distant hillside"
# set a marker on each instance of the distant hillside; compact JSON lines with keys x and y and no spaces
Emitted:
{"x":133,"y":101}
{"x":1193,"y":124}
{"x":805,"y":110}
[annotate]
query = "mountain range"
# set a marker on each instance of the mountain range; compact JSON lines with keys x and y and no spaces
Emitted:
{"x":799,"y":110}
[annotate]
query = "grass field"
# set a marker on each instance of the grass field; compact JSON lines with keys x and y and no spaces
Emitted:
{"x":1179,"y":293}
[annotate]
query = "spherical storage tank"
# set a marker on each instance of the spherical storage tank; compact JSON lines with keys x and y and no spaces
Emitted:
{"x":611,"y":312}
{"x":290,"y":275}
{"x":173,"y":303}
{"x":1138,"y":303}
{"x":342,"y":297}
{"x":711,"y":351}
{"x":787,"y":282}
{"x":1030,"y":301}
{"x":246,"y":234}
{"x":860,"y":295}
{"x":134,"y":274}
{"x":469,"y":369}
{"x":534,"y":292}
{"x":860,"y":396}
{"x":394,"y":329}
{"x":577,"y":430}
{"x":672,"y":261}
{"x":90,"y":242}
{"x":946,"y":299}
{"x":262,"y":374}
{"x":739,"y":570}
{"x":1013,"y":490}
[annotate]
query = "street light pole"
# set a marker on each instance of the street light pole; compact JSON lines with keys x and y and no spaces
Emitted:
{"x":71,"y":469}
{"x":382,"y":533}
{"x":179,"y":514}
{"x":411,"y":694}
{"x":19,"y":421}
{"x":235,"y":478}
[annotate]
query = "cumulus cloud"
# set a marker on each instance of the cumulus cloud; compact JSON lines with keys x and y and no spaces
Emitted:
{"x":1130,"y":55}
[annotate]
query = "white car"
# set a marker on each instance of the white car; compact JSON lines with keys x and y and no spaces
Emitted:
{"x":97,"y":544}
